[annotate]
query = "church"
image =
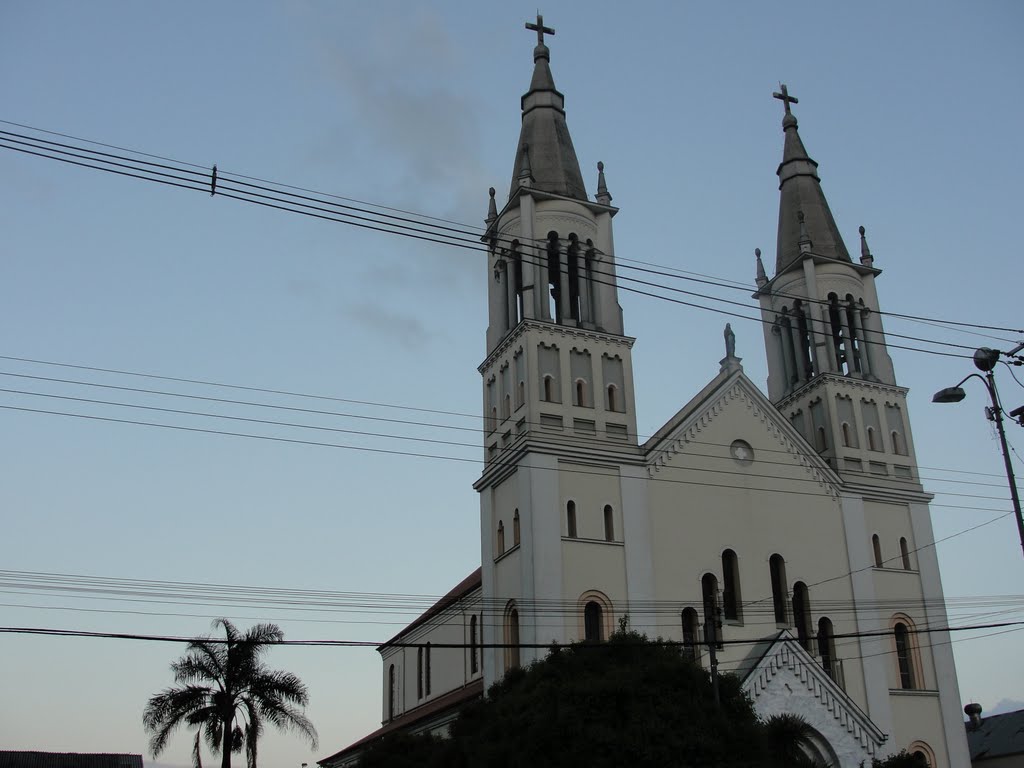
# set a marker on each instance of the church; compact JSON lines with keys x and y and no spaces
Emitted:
{"x":783,"y":536}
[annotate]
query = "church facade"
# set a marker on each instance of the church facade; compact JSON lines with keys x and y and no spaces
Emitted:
{"x":785,"y":535}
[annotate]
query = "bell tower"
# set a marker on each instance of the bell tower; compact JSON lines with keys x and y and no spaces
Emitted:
{"x":557,"y":357}
{"x":829,"y":369}
{"x":559,"y":417}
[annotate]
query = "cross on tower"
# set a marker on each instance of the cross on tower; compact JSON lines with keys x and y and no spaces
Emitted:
{"x":540,"y":29}
{"x":785,"y":97}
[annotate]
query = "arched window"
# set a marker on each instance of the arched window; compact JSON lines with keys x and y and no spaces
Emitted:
{"x":511,"y":637}
{"x":827,"y":647}
{"x":820,"y":439}
{"x":501,"y":538}
{"x":691,"y":630}
{"x":894,"y":437}
{"x":520,"y":393}
{"x":905,"y":553}
{"x":923,"y":753}
{"x":506,"y":408}
{"x":494,"y":418}
{"x":609,"y":523}
{"x":473,"y":665}
{"x":391,"y":693}
{"x":905,"y":656}
{"x":426,"y":675}
{"x":876,"y":546}
{"x":731,"y":579}
{"x":581,"y":393}
{"x":802,"y":614}
{"x":593,"y":622}
{"x":709,"y":593}
{"x":777,"y":567}
{"x":872,"y":439}
{"x":613,"y":397}
{"x":419,"y":672}
{"x":570,"y":519}
{"x":846,"y":435}
{"x":515,"y":529}
{"x":549,"y":388}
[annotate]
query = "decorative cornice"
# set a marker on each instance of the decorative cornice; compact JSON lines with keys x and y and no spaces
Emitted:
{"x":849,"y":382}
{"x":688,"y":432}
{"x":786,"y":653}
{"x":562,"y":331}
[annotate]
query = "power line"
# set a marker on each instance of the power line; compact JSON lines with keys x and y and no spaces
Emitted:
{"x":412,"y":454}
{"x":379,"y":404}
{"x":402,"y":644}
{"x":396,"y":223}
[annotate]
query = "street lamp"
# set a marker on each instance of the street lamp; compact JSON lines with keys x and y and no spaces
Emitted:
{"x":985,"y":359}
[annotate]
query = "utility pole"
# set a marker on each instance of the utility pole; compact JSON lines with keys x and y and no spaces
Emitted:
{"x":712,"y":635}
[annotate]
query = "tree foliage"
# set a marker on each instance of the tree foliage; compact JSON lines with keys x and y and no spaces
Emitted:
{"x":624,"y":702}
{"x":225,"y":691}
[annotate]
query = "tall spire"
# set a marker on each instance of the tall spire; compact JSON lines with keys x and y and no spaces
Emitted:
{"x":552,"y":157}
{"x":804,"y":214}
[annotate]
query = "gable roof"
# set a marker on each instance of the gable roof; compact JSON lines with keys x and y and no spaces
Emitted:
{"x":20,"y":759}
{"x":997,"y":736}
{"x":785,"y":670}
{"x":706,"y":405}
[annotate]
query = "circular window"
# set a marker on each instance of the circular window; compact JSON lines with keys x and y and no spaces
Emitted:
{"x":742,"y":453}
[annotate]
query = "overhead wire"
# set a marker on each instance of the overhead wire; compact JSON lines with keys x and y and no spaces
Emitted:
{"x":580,"y":439}
{"x":457,"y":238}
{"x":372,"y":403}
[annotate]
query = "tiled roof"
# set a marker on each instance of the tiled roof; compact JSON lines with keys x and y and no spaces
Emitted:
{"x":461,"y":589}
{"x":997,"y":736}
{"x":13,"y":759}
{"x":450,"y":701}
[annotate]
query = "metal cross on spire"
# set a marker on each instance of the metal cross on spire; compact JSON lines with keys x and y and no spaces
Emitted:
{"x":540,"y":29}
{"x":785,"y":98}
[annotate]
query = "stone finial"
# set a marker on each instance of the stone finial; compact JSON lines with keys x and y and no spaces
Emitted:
{"x":492,"y":206}
{"x":603,"y":195}
{"x":762,"y":277}
{"x":973,"y":711}
{"x":865,"y":253}
{"x":730,"y":362}
{"x":525,"y":171}
{"x":805,"y":241}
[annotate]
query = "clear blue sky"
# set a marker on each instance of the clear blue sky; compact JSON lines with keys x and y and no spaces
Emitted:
{"x":912,"y":110}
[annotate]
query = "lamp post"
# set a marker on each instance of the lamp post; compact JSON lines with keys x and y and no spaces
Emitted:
{"x":985,"y":360}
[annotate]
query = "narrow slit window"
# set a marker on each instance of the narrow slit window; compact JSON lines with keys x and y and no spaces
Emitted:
{"x":731,"y":579}
{"x":570,"y":519}
{"x":777,"y":568}
{"x":609,"y":523}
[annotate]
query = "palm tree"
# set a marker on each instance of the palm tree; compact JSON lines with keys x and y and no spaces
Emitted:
{"x":227,"y":693}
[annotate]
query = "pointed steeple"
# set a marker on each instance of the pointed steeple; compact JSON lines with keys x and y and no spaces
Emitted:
{"x":553,"y":160}
{"x":804,"y":215}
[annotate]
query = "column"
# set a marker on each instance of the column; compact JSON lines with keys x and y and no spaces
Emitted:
{"x":529,"y":255}
{"x":787,"y":355}
{"x":563,"y":306}
{"x":583,"y":287}
{"x":830,"y":344}
{"x":796,"y":345}
{"x":868,"y":342}
{"x":511,"y":293}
